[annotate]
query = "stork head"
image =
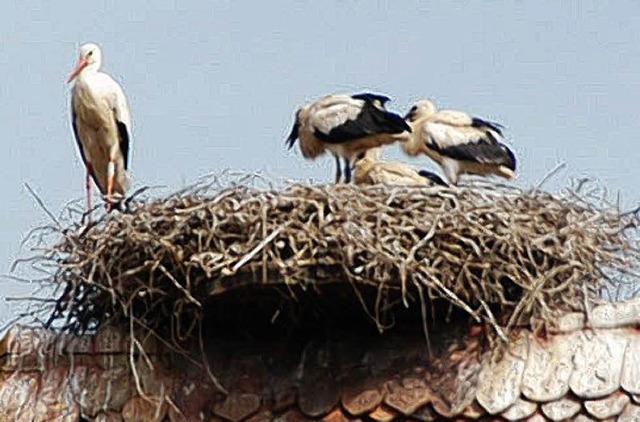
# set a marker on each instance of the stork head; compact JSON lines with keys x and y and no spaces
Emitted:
{"x":422,"y":108}
{"x":90,"y":57}
{"x":363,"y":164}
{"x":367,"y":158}
{"x":374,"y":154}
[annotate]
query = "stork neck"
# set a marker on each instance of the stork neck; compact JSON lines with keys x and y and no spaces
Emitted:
{"x":89,"y":70}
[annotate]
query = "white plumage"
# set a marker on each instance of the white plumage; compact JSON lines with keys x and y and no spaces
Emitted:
{"x":101,"y":124}
{"x":346,"y":125}
{"x":459,"y":143}
{"x":369,"y":169}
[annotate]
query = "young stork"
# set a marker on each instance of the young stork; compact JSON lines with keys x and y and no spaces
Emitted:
{"x":459,"y":143}
{"x":101,"y":125}
{"x":346,"y":125}
{"x":370,"y":170}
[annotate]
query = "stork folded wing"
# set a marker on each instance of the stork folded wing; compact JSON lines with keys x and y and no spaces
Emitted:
{"x":369,"y":121}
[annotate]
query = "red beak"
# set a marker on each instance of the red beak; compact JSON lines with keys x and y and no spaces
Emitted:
{"x":82,"y":63}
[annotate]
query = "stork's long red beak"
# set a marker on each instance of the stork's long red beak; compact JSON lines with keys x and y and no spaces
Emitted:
{"x":82,"y":63}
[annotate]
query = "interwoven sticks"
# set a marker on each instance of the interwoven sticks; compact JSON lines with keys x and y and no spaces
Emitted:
{"x":501,"y":254}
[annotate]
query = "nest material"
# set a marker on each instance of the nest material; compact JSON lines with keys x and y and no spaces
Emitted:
{"x":501,"y":254}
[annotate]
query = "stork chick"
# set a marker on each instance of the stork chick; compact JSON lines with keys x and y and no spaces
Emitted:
{"x":459,"y":143}
{"x":370,"y":170}
{"x":346,"y":125}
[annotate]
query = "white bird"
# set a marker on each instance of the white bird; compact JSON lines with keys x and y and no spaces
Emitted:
{"x":459,"y":143}
{"x":369,"y":169}
{"x":346,"y":125}
{"x":102,"y":126}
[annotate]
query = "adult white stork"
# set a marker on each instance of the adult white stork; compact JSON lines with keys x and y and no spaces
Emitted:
{"x":459,"y":143}
{"x":369,"y":169}
{"x":346,"y":125}
{"x":101,"y":125}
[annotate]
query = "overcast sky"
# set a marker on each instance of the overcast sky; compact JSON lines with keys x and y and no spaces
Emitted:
{"x":214,"y":86}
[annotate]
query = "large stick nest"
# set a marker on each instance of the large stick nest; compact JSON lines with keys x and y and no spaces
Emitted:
{"x":503,"y":255}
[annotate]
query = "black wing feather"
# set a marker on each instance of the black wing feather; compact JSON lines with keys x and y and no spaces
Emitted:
{"x":295,"y":133}
{"x":371,"y":121}
{"x":123,"y":133}
{"x":76,"y":135}
{"x":481,"y":124}
{"x":369,"y":97}
{"x":74,"y":125}
{"x":483,"y":150}
{"x":511,"y":162}
{"x":433,"y":177}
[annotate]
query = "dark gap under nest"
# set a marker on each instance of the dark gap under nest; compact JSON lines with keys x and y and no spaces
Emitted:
{"x":496,"y":254}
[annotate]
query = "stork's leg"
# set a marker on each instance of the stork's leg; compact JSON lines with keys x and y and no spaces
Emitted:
{"x":111,"y":173}
{"x":347,"y":171}
{"x":338,"y":168}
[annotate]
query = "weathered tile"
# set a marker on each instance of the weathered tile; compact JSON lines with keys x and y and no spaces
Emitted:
{"x":499,"y":381}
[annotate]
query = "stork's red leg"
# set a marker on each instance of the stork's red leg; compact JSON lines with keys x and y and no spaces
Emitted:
{"x":111,"y":172}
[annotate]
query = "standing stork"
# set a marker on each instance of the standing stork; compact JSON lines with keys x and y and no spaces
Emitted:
{"x":369,"y":169}
{"x":459,"y":143}
{"x":101,"y":125}
{"x":346,"y":125}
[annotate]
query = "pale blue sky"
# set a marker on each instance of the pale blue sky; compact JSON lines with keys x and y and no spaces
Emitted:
{"x":214,"y":85}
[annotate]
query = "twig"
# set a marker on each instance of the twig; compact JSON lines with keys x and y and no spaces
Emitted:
{"x":205,"y":362}
{"x":258,"y":248}
{"x":40,"y":202}
{"x":549,"y":175}
{"x":175,"y":282}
